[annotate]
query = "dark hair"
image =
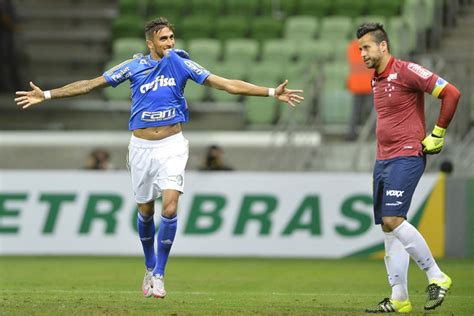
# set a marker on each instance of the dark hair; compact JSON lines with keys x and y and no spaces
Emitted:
{"x":377,"y":31}
{"x":156,"y":25}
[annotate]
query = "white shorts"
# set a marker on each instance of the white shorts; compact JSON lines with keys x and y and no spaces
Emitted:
{"x":157,"y":165}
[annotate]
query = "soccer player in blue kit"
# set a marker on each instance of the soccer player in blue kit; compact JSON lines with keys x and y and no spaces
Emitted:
{"x":158,"y":151}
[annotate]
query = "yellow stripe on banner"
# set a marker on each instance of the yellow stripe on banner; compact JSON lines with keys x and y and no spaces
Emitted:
{"x":378,"y":255}
{"x":433,"y":219}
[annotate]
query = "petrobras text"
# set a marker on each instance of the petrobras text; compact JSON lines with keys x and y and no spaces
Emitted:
{"x":160,"y":81}
{"x":159,"y":115}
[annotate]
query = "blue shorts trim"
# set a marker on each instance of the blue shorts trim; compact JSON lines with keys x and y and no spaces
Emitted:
{"x":394,"y":182}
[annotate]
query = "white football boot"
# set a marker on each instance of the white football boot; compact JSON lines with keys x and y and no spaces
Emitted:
{"x":147,"y":285}
{"x":158,"y":286}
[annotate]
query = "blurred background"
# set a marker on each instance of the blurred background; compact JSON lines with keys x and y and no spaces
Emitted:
{"x":55,"y":42}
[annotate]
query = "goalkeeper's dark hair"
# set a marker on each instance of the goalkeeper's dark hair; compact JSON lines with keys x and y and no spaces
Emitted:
{"x":156,"y":25}
{"x":376,"y":30}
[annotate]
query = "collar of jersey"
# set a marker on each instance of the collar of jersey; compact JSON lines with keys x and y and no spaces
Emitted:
{"x":152,"y":61}
{"x":387,"y":69}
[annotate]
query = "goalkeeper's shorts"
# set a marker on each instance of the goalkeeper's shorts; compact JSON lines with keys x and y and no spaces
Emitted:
{"x":394,"y":183}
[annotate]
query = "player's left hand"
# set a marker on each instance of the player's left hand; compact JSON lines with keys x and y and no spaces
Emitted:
{"x":26,"y":99}
{"x":433,"y":143}
{"x":288,"y":95}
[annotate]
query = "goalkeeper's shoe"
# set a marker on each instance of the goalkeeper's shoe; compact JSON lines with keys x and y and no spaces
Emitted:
{"x":388,"y":305}
{"x":437,"y":292}
{"x":158,"y":290}
{"x":147,"y":283}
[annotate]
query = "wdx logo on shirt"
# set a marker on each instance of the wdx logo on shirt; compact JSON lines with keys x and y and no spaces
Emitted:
{"x":160,"y":81}
{"x":394,"y":193}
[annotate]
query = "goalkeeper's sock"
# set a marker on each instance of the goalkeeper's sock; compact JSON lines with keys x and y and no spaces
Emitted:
{"x":416,"y":246}
{"x":165,"y":238}
{"x":396,"y":261}
{"x":146,"y":231}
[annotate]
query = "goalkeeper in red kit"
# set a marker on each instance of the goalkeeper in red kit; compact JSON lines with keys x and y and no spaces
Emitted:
{"x":399,"y":87}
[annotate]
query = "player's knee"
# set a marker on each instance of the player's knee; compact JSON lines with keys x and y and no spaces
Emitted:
{"x":146,"y":209}
{"x":170,"y":209}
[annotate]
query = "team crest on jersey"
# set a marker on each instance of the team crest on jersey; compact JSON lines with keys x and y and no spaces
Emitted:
{"x":392,"y":77}
{"x":420,"y":71}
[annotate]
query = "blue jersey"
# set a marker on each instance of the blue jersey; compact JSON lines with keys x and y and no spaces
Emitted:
{"x":157,"y":87}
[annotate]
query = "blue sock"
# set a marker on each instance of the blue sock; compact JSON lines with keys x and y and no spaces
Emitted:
{"x":146,"y":231}
{"x":165,"y":239}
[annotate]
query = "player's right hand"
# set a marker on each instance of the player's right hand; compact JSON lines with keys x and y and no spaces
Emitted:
{"x":433,"y":143}
{"x":26,"y":99}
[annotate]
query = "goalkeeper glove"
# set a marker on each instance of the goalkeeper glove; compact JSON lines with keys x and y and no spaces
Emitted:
{"x":432,"y":144}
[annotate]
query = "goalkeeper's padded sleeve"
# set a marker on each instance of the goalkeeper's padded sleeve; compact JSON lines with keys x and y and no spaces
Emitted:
{"x":449,"y":101}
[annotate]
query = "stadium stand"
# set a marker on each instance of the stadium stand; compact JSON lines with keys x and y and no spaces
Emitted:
{"x":301,"y":28}
{"x":80,"y":39}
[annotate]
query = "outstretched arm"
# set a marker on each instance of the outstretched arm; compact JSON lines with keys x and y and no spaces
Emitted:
{"x":281,"y":93}
{"x":26,"y":99}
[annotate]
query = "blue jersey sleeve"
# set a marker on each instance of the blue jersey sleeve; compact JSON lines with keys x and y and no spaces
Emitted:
{"x":191,"y":69}
{"x":118,"y":74}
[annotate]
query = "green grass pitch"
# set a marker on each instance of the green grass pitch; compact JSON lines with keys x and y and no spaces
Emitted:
{"x":216,"y":286}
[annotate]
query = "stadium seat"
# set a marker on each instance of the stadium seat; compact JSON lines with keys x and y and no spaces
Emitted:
{"x":278,"y":52}
{"x":228,"y":27}
{"x":132,"y":7}
{"x":124,"y":48}
{"x":323,"y":50}
{"x":336,"y":107}
{"x":196,"y":26}
{"x":335,"y":76}
{"x":241,"y":50}
{"x":230,"y":70}
{"x":265,"y":28}
{"x":349,"y":8}
{"x":262,"y":111}
{"x":397,"y":30}
{"x":128,"y":26}
{"x":244,"y":8}
{"x":289,"y":8}
{"x":300,"y":75}
{"x":301,"y":28}
{"x":387,"y":8}
{"x":122,"y":91}
{"x":415,"y":24}
{"x":336,"y":27}
{"x":268,"y":7}
{"x":205,"y":7}
{"x":194,"y":92}
{"x":317,"y":8}
{"x":168,"y":9}
{"x":314,"y":51}
{"x":205,"y":51}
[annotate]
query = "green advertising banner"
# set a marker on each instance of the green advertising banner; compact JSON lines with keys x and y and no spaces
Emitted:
{"x":220,"y":214}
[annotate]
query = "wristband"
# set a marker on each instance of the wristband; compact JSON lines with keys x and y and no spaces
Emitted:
{"x":47,"y":94}
{"x":438,"y":131}
{"x":271,"y":92}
